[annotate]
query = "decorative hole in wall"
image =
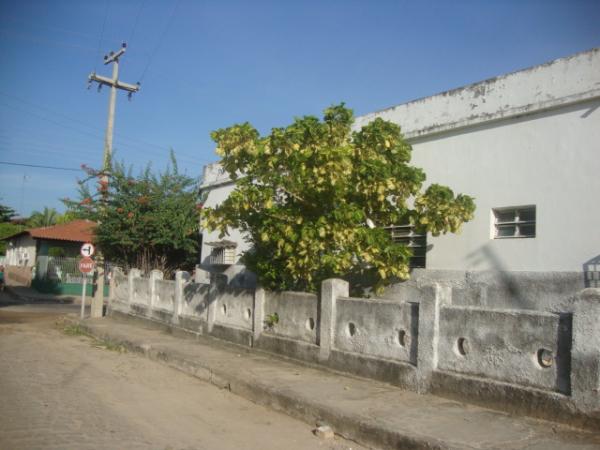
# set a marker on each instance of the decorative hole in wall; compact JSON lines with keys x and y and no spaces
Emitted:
{"x":545,"y":358}
{"x":310,"y":324}
{"x":248,"y":314}
{"x":403,"y":338}
{"x":224,"y":309}
{"x":157,"y":298}
{"x":351,"y":329}
{"x":462,"y":346}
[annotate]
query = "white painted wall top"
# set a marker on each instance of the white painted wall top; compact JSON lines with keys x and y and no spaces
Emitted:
{"x":556,"y":83}
{"x":214,"y":174}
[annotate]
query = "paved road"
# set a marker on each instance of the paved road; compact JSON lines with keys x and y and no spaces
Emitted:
{"x":68,"y":392}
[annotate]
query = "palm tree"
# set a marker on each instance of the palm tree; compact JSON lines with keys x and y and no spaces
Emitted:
{"x":46,"y":218}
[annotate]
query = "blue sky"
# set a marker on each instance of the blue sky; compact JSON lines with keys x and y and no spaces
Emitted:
{"x":205,"y":65}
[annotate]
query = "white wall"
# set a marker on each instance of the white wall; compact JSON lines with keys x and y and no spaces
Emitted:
{"x":551,"y":160}
{"x":219,"y":189}
{"x":18,"y":248}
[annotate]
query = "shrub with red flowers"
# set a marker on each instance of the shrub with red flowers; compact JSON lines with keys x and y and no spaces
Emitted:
{"x":148,"y":221}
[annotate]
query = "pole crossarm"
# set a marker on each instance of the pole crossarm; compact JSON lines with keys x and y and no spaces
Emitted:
{"x":113,"y":83}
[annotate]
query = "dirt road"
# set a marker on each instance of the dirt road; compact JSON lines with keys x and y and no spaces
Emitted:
{"x":60,"y":391}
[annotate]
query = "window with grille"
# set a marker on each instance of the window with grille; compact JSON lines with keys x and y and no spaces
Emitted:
{"x":405,"y":234}
{"x":514,"y":222}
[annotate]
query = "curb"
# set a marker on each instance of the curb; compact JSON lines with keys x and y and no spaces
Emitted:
{"x":369,"y":432}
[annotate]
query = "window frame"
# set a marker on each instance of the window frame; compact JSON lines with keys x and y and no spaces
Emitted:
{"x":412,"y":240}
{"x":517,"y":223}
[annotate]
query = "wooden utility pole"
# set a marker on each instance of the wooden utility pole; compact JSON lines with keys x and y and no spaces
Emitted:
{"x":114,"y":84}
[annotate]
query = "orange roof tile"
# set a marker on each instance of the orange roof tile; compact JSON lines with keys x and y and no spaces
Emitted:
{"x":75,"y":231}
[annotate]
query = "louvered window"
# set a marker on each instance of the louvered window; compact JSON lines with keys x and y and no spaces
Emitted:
{"x":514,"y":222}
{"x":405,"y":234}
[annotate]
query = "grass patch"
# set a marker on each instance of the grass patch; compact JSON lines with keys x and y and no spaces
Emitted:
{"x":74,"y":329}
{"x":108,"y":345}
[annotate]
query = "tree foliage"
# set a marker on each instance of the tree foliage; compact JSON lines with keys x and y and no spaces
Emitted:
{"x":45,"y":218}
{"x":309,"y":191}
{"x":148,"y":222}
{"x":6,"y":213}
{"x":6,"y":227}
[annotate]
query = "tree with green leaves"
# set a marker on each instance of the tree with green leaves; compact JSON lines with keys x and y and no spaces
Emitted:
{"x":7,"y":228}
{"x":315,"y":198}
{"x":148,"y":222}
{"x":45,"y":218}
{"x":6,"y":213}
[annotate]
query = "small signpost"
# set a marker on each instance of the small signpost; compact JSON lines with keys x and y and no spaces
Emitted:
{"x":86,"y":265}
{"x":87,"y":250}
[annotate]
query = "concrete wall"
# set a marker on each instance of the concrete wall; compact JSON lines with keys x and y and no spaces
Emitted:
{"x":120,"y":291}
{"x":195,"y":300}
{"x":542,"y":291}
{"x":234,"y":307}
{"x":380,"y":328}
{"x":502,"y":345}
{"x":545,"y":364}
{"x":165,"y":295}
{"x":21,"y":251}
{"x":527,"y":138}
{"x":141,"y":292}
{"x":297,"y":315}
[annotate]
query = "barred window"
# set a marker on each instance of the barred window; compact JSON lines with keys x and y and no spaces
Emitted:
{"x":405,"y":234}
{"x":223,"y":252}
{"x":514,"y":222}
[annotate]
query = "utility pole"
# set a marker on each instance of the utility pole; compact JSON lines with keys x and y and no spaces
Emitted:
{"x":114,"y":84}
{"x":97,"y":305}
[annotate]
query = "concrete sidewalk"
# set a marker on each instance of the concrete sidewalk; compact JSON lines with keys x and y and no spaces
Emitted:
{"x":368,"y":412}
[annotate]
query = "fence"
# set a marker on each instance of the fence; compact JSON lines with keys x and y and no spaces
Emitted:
{"x":545,"y":364}
{"x":61,"y":275}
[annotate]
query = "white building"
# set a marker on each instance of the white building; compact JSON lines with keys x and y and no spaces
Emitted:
{"x":526,"y":145}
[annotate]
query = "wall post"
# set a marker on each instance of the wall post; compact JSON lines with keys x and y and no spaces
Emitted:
{"x":155,"y":275}
{"x":131,"y":276}
{"x":585,"y":351}
{"x":216,"y":281}
{"x":331,"y":289}
{"x":258,"y":316}
{"x":435,"y":296}
{"x":181,"y":279}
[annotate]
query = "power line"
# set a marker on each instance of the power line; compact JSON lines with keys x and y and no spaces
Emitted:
{"x":53,"y":28}
{"x":45,"y":41}
{"x":137,"y":146}
{"x":39,"y":166}
{"x":137,"y":19}
{"x":54,"y":112}
{"x":160,"y":41}
{"x":98,"y":52}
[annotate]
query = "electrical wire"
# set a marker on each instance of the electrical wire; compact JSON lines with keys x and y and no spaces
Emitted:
{"x":54,"y":112}
{"x":39,"y":166}
{"x":99,"y":53}
{"x":137,"y":19}
{"x":98,"y":136}
{"x":160,"y":41}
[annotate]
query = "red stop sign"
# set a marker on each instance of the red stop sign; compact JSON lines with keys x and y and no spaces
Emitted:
{"x":86,"y":265}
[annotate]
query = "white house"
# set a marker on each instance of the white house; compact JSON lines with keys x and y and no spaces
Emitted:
{"x":526,"y":145}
